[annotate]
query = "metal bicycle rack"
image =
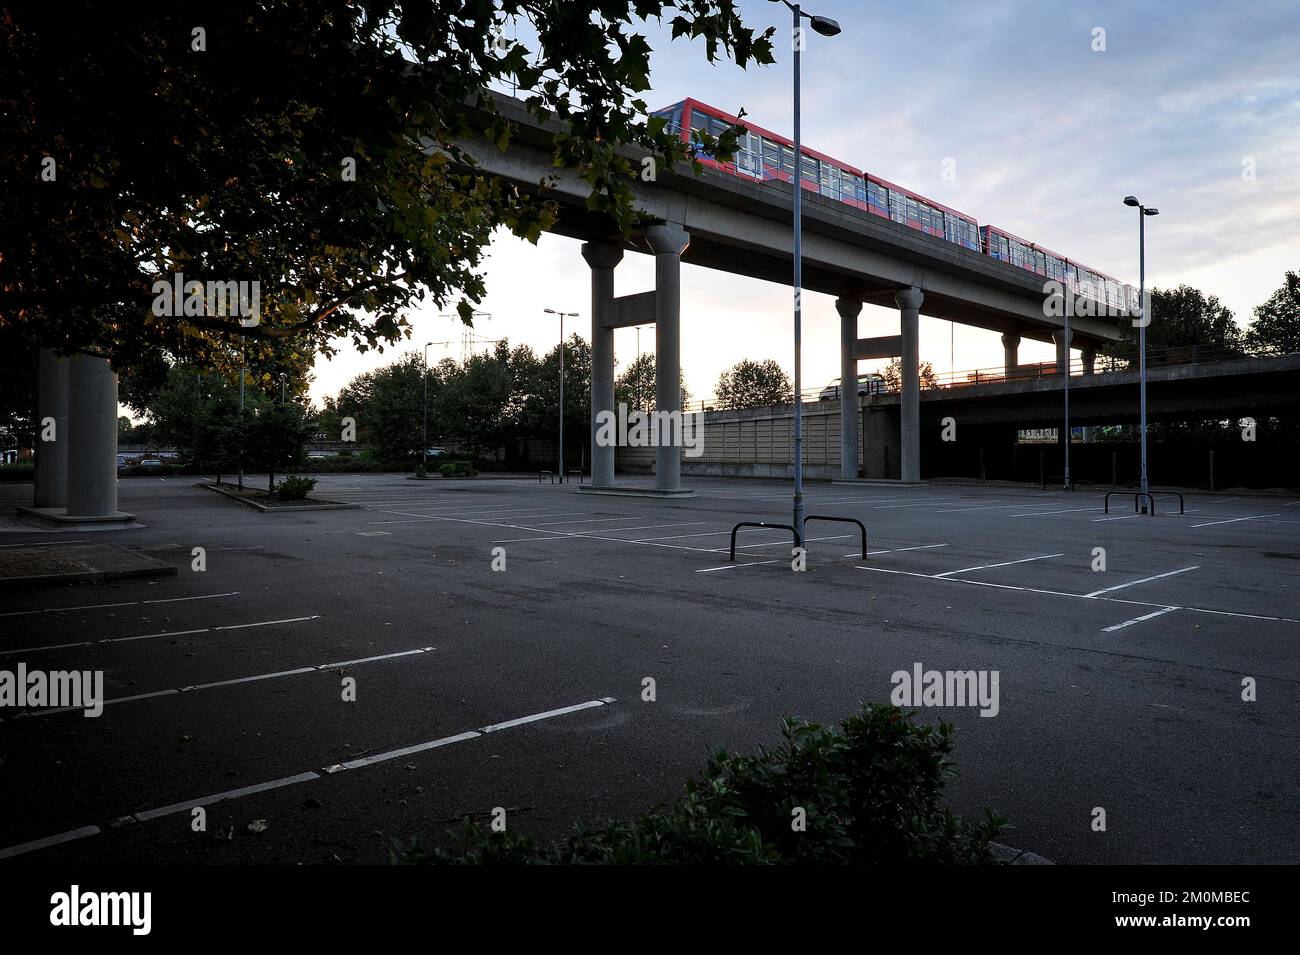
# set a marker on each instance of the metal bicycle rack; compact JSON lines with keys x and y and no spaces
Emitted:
{"x":843,"y":520}
{"x":1137,"y":495}
{"x":787,"y":527}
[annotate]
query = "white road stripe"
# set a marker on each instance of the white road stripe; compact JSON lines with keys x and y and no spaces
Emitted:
{"x":1129,"y":623}
{"x":1235,"y":520}
{"x":1134,"y":583}
{"x":257,"y":678}
{"x":1005,"y":563}
{"x":895,"y":550}
{"x":1072,"y":510}
{"x":128,"y":603}
{"x":48,"y":841}
{"x":46,"y":543}
{"x":178,"y":807}
{"x":189,"y":804}
{"x":155,"y":636}
{"x":749,"y":563}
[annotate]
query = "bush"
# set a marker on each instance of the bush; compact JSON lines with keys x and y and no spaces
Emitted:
{"x":456,"y":468}
{"x":294,"y":488}
{"x":870,"y":789}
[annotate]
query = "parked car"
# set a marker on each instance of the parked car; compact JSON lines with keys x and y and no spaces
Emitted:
{"x":121,"y":464}
{"x":150,"y":464}
{"x":867,"y":385}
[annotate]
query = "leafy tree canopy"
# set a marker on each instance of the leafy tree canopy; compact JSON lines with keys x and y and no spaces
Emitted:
{"x":1276,"y":328}
{"x":753,"y":384}
{"x":307,"y":145}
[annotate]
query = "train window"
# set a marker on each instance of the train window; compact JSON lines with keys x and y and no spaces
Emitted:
{"x":809,"y":169}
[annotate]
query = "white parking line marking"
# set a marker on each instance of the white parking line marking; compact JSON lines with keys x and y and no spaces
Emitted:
{"x":48,"y":841}
{"x":155,"y":636}
{"x":1129,"y":623}
{"x":1005,"y":563}
{"x":592,"y":520}
{"x":1235,"y":520}
{"x":46,"y":543}
{"x":750,"y":563}
{"x":1134,"y":583}
{"x":895,"y":550}
{"x":128,"y":603}
{"x":1071,"y":510}
{"x":1062,"y":593}
{"x":223,"y":796}
{"x":178,"y":807}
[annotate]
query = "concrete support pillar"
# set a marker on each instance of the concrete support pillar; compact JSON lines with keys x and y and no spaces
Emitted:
{"x":1010,"y":352}
{"x":51,"y":478}
{"x":909,"y":305}
{"x":602,"y":258}
{"x":849,"y":309}
{"x":1062,"y":339}
{"x":1089,"y":356}
{"x":668,"y":242}
{"x":92,"y":437}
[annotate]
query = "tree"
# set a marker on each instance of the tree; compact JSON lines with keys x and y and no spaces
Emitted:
{"x":635,"y":387}
{"x":476,"y":399}
{"x":325,"y":167}
{"x":753,"y":384}
{"x":388,"y":407}
{"x":274,"y":437}
{"x":1184,"y":319}
{"x":1276,"y":327}
{"x":893,"y":375}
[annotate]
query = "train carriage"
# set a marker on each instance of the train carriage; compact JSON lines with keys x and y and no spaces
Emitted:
{"x":762,"y":155}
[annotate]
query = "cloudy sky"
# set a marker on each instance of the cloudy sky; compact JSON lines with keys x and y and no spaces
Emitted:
{"x":1193,"y":105}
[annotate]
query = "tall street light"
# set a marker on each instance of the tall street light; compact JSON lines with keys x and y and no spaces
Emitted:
{"x":424,"y":448}
{"x":563,"y":315}
{"x":1143,"y":212}
{"x":826,"y":27}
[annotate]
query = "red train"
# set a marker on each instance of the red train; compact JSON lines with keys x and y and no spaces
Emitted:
{"x":762,"y":155}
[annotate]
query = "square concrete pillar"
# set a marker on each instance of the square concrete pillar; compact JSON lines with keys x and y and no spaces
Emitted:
{"x":602,"y":258}
{"x":1010,"y":353}
{"x":92,"y":438}
{"x":668,"y":242}
{"x":909,"y":308}
{"x":849,"y":310}
{"x":50,"y":486}
{"x":1062,"y":339}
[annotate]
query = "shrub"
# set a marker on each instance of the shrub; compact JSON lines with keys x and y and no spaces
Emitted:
{"x":456,"y":468}
{"x":294,"y":488}
{"x":870,"y":789}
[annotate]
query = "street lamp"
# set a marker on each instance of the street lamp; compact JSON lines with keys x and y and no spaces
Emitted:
{"x":283,"y":378}
{"x":826,"y":27}
{"x":424,"y":448}
{"x":563,"y":315}
{"x":1143,"y":212}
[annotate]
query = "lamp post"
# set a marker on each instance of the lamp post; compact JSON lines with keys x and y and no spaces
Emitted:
{"x":283,"y":378}
{"x":826,"y":27}
{"x":1143,"y":212}
{"x":424,"y":448}
{"x":563,"y":315}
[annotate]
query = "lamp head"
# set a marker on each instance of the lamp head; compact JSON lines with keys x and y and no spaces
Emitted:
{"x":1130,"y":200}
{"x":825,"y":26}
{"x":1151,"y":212}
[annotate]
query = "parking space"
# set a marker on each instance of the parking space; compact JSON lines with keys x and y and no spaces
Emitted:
{"x":445,"y":608}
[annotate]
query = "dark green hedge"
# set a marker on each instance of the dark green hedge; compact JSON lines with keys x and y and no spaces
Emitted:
{"x":870,"y":789}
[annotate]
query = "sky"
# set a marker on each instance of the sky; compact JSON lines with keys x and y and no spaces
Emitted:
{"x":1193,"y":106}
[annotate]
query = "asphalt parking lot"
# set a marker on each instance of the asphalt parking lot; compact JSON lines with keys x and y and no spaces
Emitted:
{"x":522,"y":688}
